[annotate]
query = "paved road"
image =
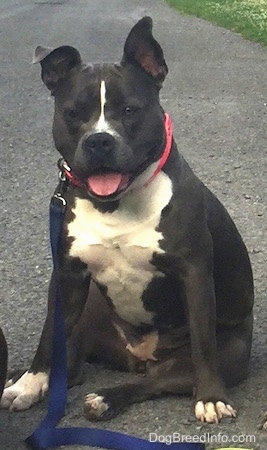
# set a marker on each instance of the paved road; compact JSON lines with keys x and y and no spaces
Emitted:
{"x":216,"y":94}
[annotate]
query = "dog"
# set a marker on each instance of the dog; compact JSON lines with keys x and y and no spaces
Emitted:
{"x":171,"y":293}
{"x":3,"y":361}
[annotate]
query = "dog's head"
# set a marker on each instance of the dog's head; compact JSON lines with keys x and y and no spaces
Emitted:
{"x":108,"y":123}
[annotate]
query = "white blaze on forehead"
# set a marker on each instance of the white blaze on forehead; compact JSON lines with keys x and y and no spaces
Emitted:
{"x":101,"y":119}
{"x":102,"y":125}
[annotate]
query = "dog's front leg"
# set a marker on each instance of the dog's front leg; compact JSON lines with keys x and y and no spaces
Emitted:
{"x":212,"y":403}
{"x":33,"y":384}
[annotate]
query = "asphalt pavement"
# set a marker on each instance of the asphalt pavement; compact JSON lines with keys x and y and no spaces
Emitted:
{"x":216,"y":93}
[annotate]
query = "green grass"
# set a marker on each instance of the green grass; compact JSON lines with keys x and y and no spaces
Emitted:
{"x":248,"y":17}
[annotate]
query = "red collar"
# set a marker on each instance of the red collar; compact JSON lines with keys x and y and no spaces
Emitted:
{"x":167,"y":150}
{"x":168,"y":130}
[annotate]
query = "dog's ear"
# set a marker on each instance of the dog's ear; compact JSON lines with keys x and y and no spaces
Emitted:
{"x":141,"y":49}
{"x":56,"y":63}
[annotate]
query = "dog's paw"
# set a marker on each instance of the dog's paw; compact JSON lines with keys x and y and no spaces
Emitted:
{"x":213,"y":412}
{"x":22,"y":394}
{"x":95,"y":407}
{"x":108,"y":402}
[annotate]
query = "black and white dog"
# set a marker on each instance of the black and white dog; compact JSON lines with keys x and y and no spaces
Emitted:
{"x":172,"y":282}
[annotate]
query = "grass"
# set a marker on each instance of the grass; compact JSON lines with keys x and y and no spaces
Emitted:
{"x":248,"y":17}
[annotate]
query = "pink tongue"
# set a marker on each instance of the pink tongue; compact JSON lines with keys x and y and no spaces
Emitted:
{"x":105,"y":184}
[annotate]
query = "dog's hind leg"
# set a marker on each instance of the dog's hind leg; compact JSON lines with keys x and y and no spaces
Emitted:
{"x":176,"y":375}
{"x":233,"y":349}
{"x":234,"y":346}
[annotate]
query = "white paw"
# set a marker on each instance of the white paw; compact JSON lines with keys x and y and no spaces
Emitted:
{"x":94,"y":405}
{"x":29,"y":389}
{"x":213,"y":413}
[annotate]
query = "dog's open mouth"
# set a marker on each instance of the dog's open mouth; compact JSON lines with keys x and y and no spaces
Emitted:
{"x":107,"y":184}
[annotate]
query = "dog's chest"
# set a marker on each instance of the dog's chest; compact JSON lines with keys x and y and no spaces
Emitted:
{"x":118,"y":247}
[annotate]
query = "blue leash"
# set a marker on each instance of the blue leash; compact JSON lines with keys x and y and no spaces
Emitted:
{"x":47,"y":435}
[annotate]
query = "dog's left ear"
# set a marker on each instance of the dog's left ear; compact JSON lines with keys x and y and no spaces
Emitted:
{"x":141,"y":49}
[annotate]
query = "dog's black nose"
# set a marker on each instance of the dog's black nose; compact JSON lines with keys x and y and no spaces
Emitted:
{"x":99,"y":142}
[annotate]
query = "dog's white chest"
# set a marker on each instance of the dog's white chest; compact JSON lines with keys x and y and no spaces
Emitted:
{"x":118,"y":246}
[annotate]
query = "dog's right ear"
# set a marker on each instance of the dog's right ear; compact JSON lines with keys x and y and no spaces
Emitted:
{"x":56,"y":64}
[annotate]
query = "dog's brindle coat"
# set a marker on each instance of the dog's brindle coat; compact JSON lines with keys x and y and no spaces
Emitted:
{"x":174,"y":274}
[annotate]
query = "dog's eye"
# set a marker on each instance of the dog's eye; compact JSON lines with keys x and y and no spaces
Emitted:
{"x":128,"y":110}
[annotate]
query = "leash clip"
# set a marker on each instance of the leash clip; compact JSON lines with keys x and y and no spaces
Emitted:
{"x":59,"y":200}
{"x":62,"y":176}
{"x":62,"y":166}
{"x":58,"y":197}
